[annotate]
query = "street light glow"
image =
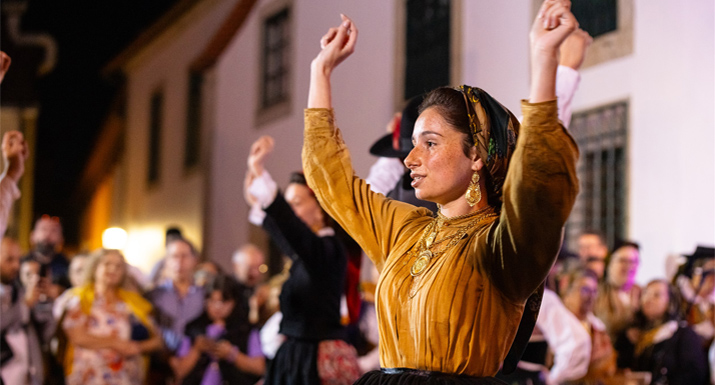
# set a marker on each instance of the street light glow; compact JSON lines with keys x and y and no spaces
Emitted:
{"x":114,"y":238}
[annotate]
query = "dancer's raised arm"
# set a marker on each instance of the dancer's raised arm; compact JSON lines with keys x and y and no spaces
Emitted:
{"x":336,"y":46}
{"x":553,"y":25}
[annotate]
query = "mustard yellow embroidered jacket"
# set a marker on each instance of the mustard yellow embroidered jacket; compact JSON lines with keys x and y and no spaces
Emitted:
{"x":461,"y":314}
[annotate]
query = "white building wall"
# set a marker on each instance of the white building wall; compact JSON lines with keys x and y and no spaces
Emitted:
{"x":668,"y":81}
{"x":671,"y":88}
{"x":177,"y":198}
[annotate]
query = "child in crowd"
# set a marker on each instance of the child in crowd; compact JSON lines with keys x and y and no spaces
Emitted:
{"x":215,"y":350}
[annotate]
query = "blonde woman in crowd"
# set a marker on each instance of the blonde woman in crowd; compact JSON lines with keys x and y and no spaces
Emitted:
{"x":108,"y":328}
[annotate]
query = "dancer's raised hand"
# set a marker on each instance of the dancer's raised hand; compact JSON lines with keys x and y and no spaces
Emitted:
{"x":336,"y":46}
{"x":553,"y":24}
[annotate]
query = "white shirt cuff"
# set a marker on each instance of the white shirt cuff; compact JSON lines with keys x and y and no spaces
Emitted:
{"x":264,"y":189}
{"x":256,"y":215}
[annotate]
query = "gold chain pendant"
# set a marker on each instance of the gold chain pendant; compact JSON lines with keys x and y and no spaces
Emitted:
{"x":420,"y":263}
{"x":430,"y":239}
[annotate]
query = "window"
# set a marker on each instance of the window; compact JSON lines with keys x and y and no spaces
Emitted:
{"x":609,"y":22}
{"x":601,"y":134}
{"x":427,"y":46}
{"x":275,"y":59}
{"x":192,"y":144}
{"x":157,"y":101}
{"x":596,"y":17}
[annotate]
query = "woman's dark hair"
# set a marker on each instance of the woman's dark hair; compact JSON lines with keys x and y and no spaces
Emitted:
{"x":620,"y":243}
{"x":298,"y":177}
{"x":229,"y":291}
{"x":225,"y":284}
{"x":453,"y":108}
{"x":672,"y":313}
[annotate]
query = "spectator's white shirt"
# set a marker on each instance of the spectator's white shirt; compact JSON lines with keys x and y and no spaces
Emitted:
{"x":566,"y":337}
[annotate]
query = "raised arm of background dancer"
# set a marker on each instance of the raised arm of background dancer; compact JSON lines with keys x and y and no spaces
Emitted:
{"x":541,"y":183}
{"x":14,"y":152}
{"x":292,"y":235}
{"x":336,"y":46}
{"x":260,"y":191}
{"x":572,"y":53}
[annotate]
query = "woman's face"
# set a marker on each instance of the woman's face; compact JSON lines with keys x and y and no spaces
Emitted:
{"x":582,"y":296}
{"x":29,"y":273}
{"x":655,"y":301}
{"x":623,"y":266}
{"x":76,"y":272}
{"x":439,"y":169}
{"x":305,"y":206}
{"x":110,"y":270}
{"x":217,"y":308}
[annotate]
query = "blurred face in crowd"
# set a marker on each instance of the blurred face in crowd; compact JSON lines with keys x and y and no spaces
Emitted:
{"x":77,"y":270}
{"x":217,"y":307}
{"x":204,"y":272}
{"x":29,"y":273}
{"x":180,"y":261}
{"x":592,"y":252}
{"x":655,"y":301}
{"x":581,"y":296}
{"x":9,"y":260}
{"x":305,"y":206}
{"x":46,"y":237}
{"x":111,"y":270}
{"x":623,"y":266}
{"x":249,"y":265}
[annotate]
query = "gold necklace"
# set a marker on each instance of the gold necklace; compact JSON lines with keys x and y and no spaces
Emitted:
{"x":425,"y":255}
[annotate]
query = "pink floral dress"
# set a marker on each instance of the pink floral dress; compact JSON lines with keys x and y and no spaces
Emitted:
{"x":102,"y":366}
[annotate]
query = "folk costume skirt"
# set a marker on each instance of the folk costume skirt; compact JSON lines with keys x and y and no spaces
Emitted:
{"x":305,"y":362}
{"x":400,"y":376}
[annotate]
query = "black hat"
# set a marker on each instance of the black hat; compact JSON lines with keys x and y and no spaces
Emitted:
{"x":383,"y":147}
{"x":701,"y":255}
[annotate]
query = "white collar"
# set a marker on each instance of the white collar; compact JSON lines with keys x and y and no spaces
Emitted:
{"x":665,"y":331}
{"x":326,"y":232}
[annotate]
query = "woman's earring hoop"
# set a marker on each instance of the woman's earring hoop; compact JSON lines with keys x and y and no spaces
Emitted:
{"x":474,"y":194}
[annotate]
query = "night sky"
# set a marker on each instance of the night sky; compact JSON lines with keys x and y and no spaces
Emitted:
{"x":74,"y":98}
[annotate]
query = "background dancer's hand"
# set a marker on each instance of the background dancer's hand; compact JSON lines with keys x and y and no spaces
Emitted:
{"x":259,"y":152}
{"x":15,"y":153}
{"x":553,"y":24}
{"x":336,"y":46}
{"x":573,"y":51}
{"x":256,"y":159}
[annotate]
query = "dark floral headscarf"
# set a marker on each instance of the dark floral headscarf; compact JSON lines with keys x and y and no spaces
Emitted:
{"x":494,"y":131}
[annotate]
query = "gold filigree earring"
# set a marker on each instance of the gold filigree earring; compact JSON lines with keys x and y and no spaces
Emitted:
{"x":474,"y":194}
